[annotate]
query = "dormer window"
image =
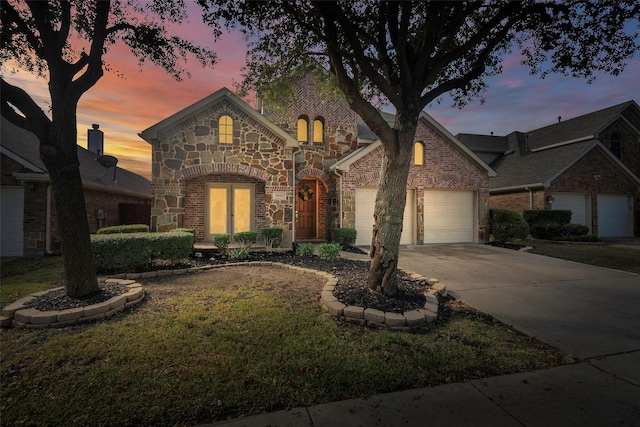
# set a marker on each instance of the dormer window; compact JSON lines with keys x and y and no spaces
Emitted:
{"x":318,"y":130}
{"x":616,"y":146}
{"x":303,"y":130}
{"x":225,"y":130}
{"x":418,"y":154}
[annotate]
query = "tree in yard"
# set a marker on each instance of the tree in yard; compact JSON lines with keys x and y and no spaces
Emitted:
{"x":409,"y":54}
{"x":65,"y":42}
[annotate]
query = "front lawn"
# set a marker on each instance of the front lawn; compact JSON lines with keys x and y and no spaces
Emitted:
{"x":233,"y":342}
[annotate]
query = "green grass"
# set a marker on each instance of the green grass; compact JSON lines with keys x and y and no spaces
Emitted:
{"x":24,"y":276}
{"x":205,"y":355}
{"x":624,"y":259}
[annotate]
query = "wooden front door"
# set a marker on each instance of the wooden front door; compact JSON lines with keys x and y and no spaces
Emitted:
{"x":306,"y":200}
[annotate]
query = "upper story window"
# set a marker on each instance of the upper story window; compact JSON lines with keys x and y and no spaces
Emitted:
{"x":318,"y":130}
{"x":616,"y":147}
{"x":303,"y":130}
{"x":418,"y":154}
{"x":225,"y":130}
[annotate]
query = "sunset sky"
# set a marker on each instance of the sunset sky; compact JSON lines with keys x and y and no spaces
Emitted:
{"x":124,"y":106}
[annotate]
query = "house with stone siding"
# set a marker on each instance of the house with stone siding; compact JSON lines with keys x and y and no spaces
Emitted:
{"x":588,"y":164}
{"x":223,"y":166}
{"x":28,"y":214}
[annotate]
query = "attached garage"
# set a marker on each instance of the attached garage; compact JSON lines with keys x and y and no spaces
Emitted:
{"x":578,"y":204}
{"x":615,"y":216}
{"x":449,"y":216}
{"x":365,"y":204}
{"x":11,"y":218}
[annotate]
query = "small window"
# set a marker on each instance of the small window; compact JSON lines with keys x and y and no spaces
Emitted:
{"x":616,"y":148}
{"x":303,"y":130}
{"x":418,"y":154}
{"x":318,"y":131}
{"x":225,"y":129}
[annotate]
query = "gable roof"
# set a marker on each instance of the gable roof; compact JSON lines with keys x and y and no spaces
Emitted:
{"x":150,"y":134}
{"x":344,"y":163}
{"x":521,"y":168}
{"x":24,"y":147}
{"x":583,"y":127}
{"x":484,"y":143}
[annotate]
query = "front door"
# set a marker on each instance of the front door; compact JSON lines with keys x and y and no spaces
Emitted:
{"x":229,"y":209}
{"x":306,"y":200}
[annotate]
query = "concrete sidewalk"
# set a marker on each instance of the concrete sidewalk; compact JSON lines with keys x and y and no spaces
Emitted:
{"x":601,"y":392}
{"x":590,"y":313}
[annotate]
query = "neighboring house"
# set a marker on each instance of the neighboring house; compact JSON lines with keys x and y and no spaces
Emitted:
{"x":589,"y":164}
{"x":28,"y":215}
{"x":221,"y":166}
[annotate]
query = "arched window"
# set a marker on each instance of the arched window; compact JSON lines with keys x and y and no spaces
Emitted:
{"x":418,"y":154}
{"x":303,"y":130}
{"x":225,"y":130}
{"x":616,"y":148}
{"x":318,"y":131}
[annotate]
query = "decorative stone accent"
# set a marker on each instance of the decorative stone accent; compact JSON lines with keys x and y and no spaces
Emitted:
{"x":373,"y":317}
{"x":19,"y":316}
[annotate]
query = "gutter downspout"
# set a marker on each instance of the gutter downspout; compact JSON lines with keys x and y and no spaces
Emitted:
{"x":340,"y":195}
{"x":47,"y":232}
{"x":530,"y":197}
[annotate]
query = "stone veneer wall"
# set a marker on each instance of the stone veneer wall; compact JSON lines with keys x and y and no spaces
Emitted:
{"x":445,"y":167}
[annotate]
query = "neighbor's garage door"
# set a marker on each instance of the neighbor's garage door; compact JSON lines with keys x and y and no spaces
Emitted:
{"x":449,"y":216}
{"x":365,"y":203}
{"x":614,"y":216}
{"x":11,"y":220}
{"x":577,"y":204}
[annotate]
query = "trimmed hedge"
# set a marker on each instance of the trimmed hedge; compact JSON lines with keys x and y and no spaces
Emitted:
{"x":222,"y":242}
{"x":272,"y":237}
{"x":246,"y":237}
{"x":345,"y":237}
{"x":118,"y":229}
{"x":506,"y":225}
{"x":556,"y":225}
{"x":329,"y":251}
{"x":128,"y":251}
{"x":537,"y":216}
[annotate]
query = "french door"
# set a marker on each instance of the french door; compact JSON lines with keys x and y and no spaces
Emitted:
{"x":229,"y":209}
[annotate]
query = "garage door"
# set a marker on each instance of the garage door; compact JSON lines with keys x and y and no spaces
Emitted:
{"x":614,"y":216}
{"x":577,"y":204}
{"x":365,"y":203}
{"x":449,"y":216}
{"x":11,"y":221}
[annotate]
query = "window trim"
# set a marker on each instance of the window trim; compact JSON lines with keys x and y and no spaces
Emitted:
{"x":318,"y":120}
{"x":305,"y":120}
{"x":415,"y":153}
{"x":616,"y":145}
{"x":225,"y":137}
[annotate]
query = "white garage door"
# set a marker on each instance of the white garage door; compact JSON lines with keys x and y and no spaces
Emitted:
{"x":11,"y":221}
{"x":577,"y":204}
{"x":365,"y":204}
{"x":449,"y":216}
{"x":614,"y":216}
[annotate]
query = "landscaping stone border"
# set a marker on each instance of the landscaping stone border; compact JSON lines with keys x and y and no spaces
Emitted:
{"x":19,"y":316}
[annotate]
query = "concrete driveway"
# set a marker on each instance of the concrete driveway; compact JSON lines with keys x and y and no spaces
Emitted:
{"x":583,"y":310}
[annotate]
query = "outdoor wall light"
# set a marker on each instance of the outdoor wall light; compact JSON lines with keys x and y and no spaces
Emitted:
{"x":550,"y":199}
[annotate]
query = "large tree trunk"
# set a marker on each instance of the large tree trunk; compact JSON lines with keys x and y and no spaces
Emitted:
{"x":389,"y":211}
{"x":60,"y":155}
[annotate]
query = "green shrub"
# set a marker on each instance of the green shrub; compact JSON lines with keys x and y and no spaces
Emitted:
{"x":537,"y":216}
{"x":117,"y":229}
{"x":222,"y":242}
{"x":128,"y":251}
{"x":546,"y":230}
{"x":575,"y":230}
{"x":246,"y":237}
{"x":239,"y":253}
{"x":305,"y":249}
{"x":506,"y":225}
{"x":190,"y":231}
{"x":345,"y":237}
{"x":272,"y":237}
{"x":329,"y":251}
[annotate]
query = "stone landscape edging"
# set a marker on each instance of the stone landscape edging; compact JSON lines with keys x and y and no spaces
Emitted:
{"x":17,"y":315}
